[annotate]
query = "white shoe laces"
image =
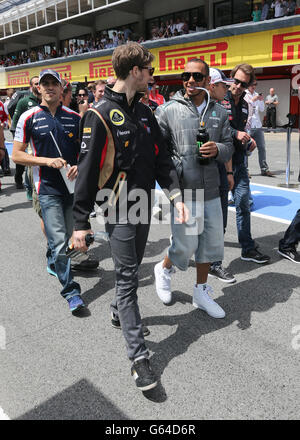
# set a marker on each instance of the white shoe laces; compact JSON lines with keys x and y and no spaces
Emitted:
{"x":166,"y":277}
{"x":206,"y":292}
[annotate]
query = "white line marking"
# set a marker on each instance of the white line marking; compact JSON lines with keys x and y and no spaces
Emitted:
{"x":276,"y":188}
{"x":3,"y":416}
{"x":266,"y":217}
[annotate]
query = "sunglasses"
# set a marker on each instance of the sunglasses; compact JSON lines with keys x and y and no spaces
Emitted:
{"x":198,"y":76}
{"x":242,"y":83}
{"x":81,"y":94}
{"x":150,"y":70}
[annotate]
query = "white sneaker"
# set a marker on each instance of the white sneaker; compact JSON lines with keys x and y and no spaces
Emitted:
{"x":163,"y":282}
{"x":203,"y":301}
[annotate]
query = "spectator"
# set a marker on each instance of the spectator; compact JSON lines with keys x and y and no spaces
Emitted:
{"x":256,"y":105}
{"x":185,"y":27}
{"x":179,"y":25}
{"x":272,"y":103}
{"x":256,"y":13}
{"x":154,"y":94}
{"x":98,"y":90}
{"x":90,"y":88}
{"x":82,"y":100}
{"x":115,"y":39}
{"x":279,"y":8}
{"x":264,"y":10}
{"x":291,"y":7}
{"x":127,"y":32}
{"x":172,"y":26}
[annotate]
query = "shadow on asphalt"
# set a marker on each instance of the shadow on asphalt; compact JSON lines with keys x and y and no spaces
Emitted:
{"x":81,"y":401}
{"x":107,"y":277}
{"x":239,"y":301}
{"x":267,"y":245}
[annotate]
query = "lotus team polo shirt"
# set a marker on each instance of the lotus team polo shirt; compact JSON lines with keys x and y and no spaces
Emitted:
{"x":34,"y":126}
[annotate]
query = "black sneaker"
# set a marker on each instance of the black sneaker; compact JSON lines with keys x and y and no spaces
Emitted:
{"x":255,"y":255}
{"x":291,"y":254}
{"x":115,"y":323}
{"x":143,"y":375}
{"x":222,"y":274}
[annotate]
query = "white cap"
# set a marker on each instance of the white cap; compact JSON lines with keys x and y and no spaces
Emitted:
{"x":217,"y":76}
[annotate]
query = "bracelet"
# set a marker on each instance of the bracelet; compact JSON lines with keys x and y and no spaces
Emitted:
{"x":230,"y":173}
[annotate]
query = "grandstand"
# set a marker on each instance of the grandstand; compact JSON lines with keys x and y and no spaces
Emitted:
{"x":69,"y":35}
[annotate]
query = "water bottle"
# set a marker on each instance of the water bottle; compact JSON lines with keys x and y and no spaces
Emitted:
{"x":98,"y":237}
{"x":202,"y":138}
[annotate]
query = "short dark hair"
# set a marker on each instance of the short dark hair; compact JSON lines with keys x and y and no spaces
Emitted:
{"x":198,"y":60}
{"x":86,"y":92}
{"x":31,"y":80}
{"x":127,"y":56}
{"x":247,"y":69}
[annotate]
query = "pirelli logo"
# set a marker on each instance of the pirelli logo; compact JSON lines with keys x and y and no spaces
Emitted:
{"x":286,"y":47}
{"x":101,"y":69}
{"x":65,"y":71}
{"x":215,"y":54}
{"x":18,"y":79}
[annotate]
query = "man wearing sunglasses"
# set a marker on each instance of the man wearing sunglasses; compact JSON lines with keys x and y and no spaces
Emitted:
{"x":179,"y":120}
{"x":238,"y":111}
{"x":121,"y":140}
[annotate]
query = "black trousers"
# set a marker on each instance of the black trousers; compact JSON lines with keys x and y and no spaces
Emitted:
{"x":271,"y":117}
{"x":19,"y":173}
{"x":5,"y":161}
{"x":127,"y":243}
{"x":292,"y":234}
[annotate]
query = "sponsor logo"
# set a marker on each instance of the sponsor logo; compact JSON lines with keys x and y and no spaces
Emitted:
{"x":215,"y":54}
{"x":83,"y":146}
{"x":38,"y":119}
{"x":101,"y":69}
{"x":122,"y":133}
{"x":64,"y":71}
{"x":87,"y":130}
{"x":117,"y":117}
{"x":286,"y":47}
{"x":70,"y":135}
{"x":18,"y":79}
{"x":126,"y":144}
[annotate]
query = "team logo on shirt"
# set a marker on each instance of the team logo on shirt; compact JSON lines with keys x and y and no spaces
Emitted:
{"x":117,"y":117}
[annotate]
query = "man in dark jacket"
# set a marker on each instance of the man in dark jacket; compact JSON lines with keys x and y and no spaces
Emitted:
{"x":122,"y":148}
{"x":237,"y":109}
{"x":180,"y":120}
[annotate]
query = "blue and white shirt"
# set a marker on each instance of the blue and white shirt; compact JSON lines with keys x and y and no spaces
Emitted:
{"x":34,"y":126}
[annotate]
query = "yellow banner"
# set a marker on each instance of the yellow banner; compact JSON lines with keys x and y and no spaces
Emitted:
{"x":261,"y":49}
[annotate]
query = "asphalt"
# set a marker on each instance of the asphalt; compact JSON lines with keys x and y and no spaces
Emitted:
{"x":55,"y":365}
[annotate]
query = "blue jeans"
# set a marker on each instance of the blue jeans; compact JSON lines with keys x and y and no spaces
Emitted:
{"x":58,"y":220}
{"x":241,"y":194}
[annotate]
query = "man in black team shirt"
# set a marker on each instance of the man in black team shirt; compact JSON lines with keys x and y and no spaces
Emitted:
{"x":121,"y":140}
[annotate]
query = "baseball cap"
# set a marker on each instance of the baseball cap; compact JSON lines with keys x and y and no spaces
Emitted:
{"x":49,"y":72}
{"x":217,"y":76}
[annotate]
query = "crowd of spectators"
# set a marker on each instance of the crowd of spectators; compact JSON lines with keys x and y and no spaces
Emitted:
{"x":277,"y":9}
{"x":165,"y":29}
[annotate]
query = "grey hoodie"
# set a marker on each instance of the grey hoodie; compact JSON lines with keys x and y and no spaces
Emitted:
{"x":179,"y":121}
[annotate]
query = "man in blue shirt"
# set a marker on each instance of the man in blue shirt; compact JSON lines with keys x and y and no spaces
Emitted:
{"x":52,"y":131}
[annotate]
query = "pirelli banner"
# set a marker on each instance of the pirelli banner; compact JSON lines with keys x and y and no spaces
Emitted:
{"x":261,"y":49}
